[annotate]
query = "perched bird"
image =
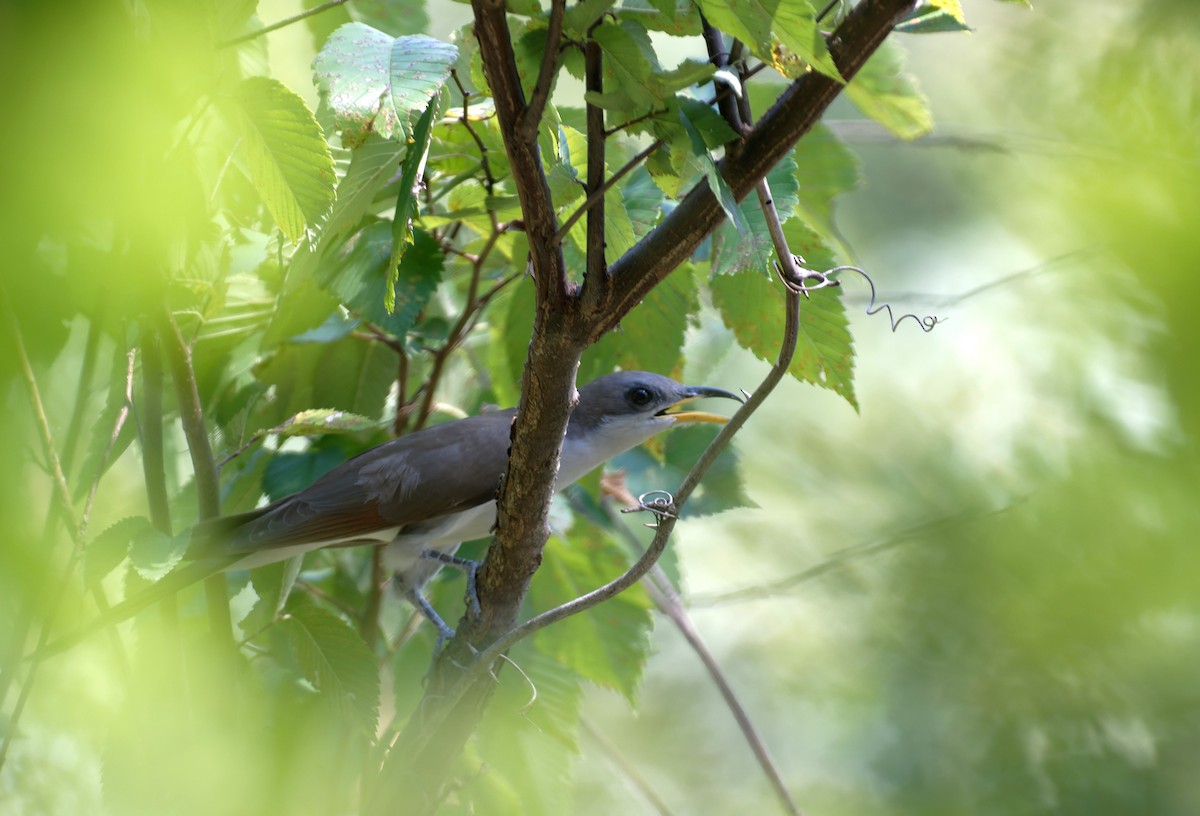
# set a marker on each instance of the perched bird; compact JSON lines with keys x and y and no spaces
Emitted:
{"x":423,"y":494}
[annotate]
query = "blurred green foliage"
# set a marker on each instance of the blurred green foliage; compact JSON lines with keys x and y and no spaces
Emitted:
{"x":978,"y":596}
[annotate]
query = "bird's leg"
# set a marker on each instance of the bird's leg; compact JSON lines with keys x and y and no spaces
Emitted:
{"x":471,"y":568}
{"x":418,"y":600}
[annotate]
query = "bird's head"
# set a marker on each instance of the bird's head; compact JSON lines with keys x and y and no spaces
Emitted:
{"x":629,"y":407}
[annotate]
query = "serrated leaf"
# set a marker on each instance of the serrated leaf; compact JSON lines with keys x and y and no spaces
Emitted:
{"x":609,"y":643}
{"x":358,"y":276}
{"x":712,"y":127}
{"x":884,"y":92}
{"x":110,"y":548}
{"x":751,"y":247}
{"x":678,"y":17}
{"x":285,"y":152}
{"x":651,"y":336}
{"x":335,"y":660}
{"x":406,"y":201}
{"x":716,"y":183}
{"x":373,"y":82}
{"x":930,"y":20}
{"x":324,"y":421}
{"x":752,"y":306}
{"x":347,"y":375}
{"x":776,"y":32}
{"x":153,"y":554}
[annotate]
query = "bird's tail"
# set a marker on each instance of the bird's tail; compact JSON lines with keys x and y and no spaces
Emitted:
{"x":170,"y":584}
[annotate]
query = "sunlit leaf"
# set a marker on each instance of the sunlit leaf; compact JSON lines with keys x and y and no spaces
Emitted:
{"x":406,"y":202}
{"x":373,"y":82}
{"x":752,"y":306}
{"x":930,"y":20}
{"x":323,"y":421}
{"x":776,"y":32}
{"x":883,"y":91}
{"x":286,"y":154}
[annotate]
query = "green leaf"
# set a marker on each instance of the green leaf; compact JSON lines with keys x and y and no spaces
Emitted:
{"x":716,"y":182}
{"x":110,"y":548}
{"x":347,"y":375}
{"x":287,"y":156}
{"x":607,"y":644}
{"x":677,"y":17}
{"x":752,"y":306}
{"x":930,"y":20}
{"x":357,"y":276}
{"x":885,"y":93}
{"x":712,"y":127}
{"x":776,"y":31}
{"x":290,"y":472}
{"x":324,"y":421}
{"x":527,"y":745}
{"x":825,"y":168}
{"x":393,"y":17}
{"x":751,"y":246}
{"x":651,"y":336}
{"x":406,"y":200}
{"x":373,"y":82}
{"x":153,"y":554}
{"x":335,"y":660}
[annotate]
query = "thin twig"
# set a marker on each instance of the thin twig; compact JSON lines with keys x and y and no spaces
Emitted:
{"x":204,"y":465}
{"x":593,"y":58}
{"x":598,"y":195}
{"x":664,"y":596}
{"x":86,"y":372}
{"x":286,"y":21}
{"x":627,"y":768}
{"x":66,"y":507}
{"x":532,"y":115}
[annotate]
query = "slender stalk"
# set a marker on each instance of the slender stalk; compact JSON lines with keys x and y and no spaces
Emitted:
{"x":286,"y":21}
{"x":594,"y":79}
{"x":86,"y":373}
{"x":204,"y":465}
{"x":664,"y":596}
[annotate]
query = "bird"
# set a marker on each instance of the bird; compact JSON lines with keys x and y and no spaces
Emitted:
{"x":420,"y":496}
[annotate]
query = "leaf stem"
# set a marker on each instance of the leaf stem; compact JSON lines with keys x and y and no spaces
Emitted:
{"x":286,"y":21}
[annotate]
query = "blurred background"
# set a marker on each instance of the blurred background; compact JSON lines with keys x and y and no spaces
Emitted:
{"x":978,"y":594}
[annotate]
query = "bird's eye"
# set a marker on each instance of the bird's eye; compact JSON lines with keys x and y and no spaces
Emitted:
{"x":639,"y":396}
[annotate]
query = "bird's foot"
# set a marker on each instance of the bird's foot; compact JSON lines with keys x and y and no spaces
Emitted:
{"x":469,"y":567}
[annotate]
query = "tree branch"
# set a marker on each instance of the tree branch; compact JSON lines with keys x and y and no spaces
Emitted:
{"x":799,"y":108}
{"x":533,"y":191}
{"x":532,"y":117}
{"x":597,"y":269}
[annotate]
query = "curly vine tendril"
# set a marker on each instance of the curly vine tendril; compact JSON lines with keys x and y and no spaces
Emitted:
{"x":811,"y":280}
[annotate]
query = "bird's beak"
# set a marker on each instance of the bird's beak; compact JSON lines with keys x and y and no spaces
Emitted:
{"x":695,"y":392}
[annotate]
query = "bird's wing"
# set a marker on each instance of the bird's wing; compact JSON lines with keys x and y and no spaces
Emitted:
{"x":416,"y":478}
